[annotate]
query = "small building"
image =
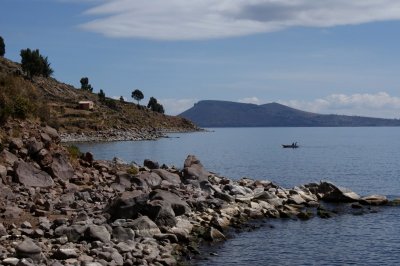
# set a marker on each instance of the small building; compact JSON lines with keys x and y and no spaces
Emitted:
{"x":86,"y":105}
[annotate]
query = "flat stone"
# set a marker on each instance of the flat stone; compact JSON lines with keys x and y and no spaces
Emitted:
{"x":99,"y":232}
{"x":30,"y":176}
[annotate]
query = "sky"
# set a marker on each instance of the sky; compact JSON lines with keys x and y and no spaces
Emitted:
{"x":331,"y":56}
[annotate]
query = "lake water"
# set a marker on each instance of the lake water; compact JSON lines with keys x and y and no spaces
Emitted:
{"x":363,"y":159}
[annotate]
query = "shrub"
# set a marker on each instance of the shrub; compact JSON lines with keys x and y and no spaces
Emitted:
{"x":34,"y":64}
{"x":85,"y":84}
{"x":74,"y":152}
{"x":132,"y":170}
{"x":2,"y":47}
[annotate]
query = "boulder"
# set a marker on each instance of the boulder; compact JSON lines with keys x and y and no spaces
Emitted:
{"x":99,"y":232}
{"x":144,"y":227}
{"x":52,"y":133}
{"x":151,"y":164}
{"x":3,"y":231}
{"x":61,"y":168}
{"x":34,"y":146}
{"x":374,"y":200}
{"x":128,"y":205}
{"x":168,"y":176}
{"x":123,"y":179}
{"x":332,"y":193}
{"x":16,"y":144}
{"x":161,"y":213}
{"x":194,"y":170}
{"x":8,"y":158}
{"x":147,"y":180}
{"x":46,"y":140}
{"x":28,"y":249}
{"x":213,"y":234}
{"x":120,"y":234}
{"x":179,"y":206}
{"x":30,"y":176}
{"x":65,"y":253}
{"x":44,"y":158}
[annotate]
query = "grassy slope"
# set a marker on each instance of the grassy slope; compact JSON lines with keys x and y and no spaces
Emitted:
{"x":62,"y":100}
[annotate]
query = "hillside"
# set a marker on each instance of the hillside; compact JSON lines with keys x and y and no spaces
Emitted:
{"x":230,"y":114}
{"x":58,"y":104}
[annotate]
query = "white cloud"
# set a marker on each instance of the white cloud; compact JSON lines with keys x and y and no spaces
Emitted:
{"x":376,"y":105}
{"x":205,"y":19}
{"x":253,"y":100}
{"x":176,"y":106}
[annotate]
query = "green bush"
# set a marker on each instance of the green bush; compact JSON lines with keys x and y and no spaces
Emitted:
{"x":74,"y":152}
{"x":34,"y":64}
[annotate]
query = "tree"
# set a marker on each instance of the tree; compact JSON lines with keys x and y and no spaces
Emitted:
{"x":34,"y":64}
{"x":2,"y":47}
{"x":155,"y":106}
{"x":137,"y":95}
{"x":85,"y":84}
{"x":102,"y":96}
{"x":121,"y":99}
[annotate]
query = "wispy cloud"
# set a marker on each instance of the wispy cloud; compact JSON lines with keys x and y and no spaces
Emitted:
{"x":205,"y":19}
{"x":376,"y":105}
{"x":177,"y":106}
{"x":253,"y":100}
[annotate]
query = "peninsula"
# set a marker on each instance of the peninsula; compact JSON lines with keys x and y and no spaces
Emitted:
{"x":212,"y":113}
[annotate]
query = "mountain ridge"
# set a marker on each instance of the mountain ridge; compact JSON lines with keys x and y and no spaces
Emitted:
{"x":216,"y":113}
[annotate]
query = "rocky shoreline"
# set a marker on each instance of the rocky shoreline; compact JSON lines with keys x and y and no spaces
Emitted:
{"x":121,"y":135}
{"x":59,"y":210}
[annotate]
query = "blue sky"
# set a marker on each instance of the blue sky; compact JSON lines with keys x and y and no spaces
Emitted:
{"x":331,"y":56}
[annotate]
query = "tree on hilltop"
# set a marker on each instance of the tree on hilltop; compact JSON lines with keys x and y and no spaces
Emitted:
{"x":137,"y":95}
{"x":85,"y":84}
{"x":34,"y":64}
{"x":155,"y":106}
{"x":2,"y":47}
{"x":102,"y":96}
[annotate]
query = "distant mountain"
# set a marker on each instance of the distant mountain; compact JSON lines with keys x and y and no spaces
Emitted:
{"x":231,"y":114}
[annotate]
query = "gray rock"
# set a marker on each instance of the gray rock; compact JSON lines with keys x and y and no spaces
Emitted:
{"x":65,"y":253}
{"x":194,"y":170}
{"x":179,"y":206}
{"x":3,"y":231}
{"x":28,"y":249}
{"x":16,"y":144}
{"x":124,"y":179}
{"x":46,"y":139}
{"x":52,"y":133}
{"x":128,"y":205}
{"x":170,"y":237}
{"x":161,"y":213}
{"x":147,"y":179}
{"x":151,"y":164}
{"x":8,"y":158}
{"x":374,"y":200}
{"x":145,"y":227}
{"x":99,"y":232}
{"x":30,"y":176}
{"x":333,"y":193}
{"x":61,"y":168}
{"x":26,"y":262}
{"x":213,"y":234}
{"x":119,"y":260}
{"x":44,"y":158}
{"x":170,"y":177}
{"x":120,"y":233}
{"x":10,"y":261}
{"x":34,"y":146}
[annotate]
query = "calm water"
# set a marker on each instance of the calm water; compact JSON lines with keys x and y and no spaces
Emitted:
{"x":363,"y":159}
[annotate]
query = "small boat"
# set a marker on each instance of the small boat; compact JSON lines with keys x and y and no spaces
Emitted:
{"x":293,"y":146}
